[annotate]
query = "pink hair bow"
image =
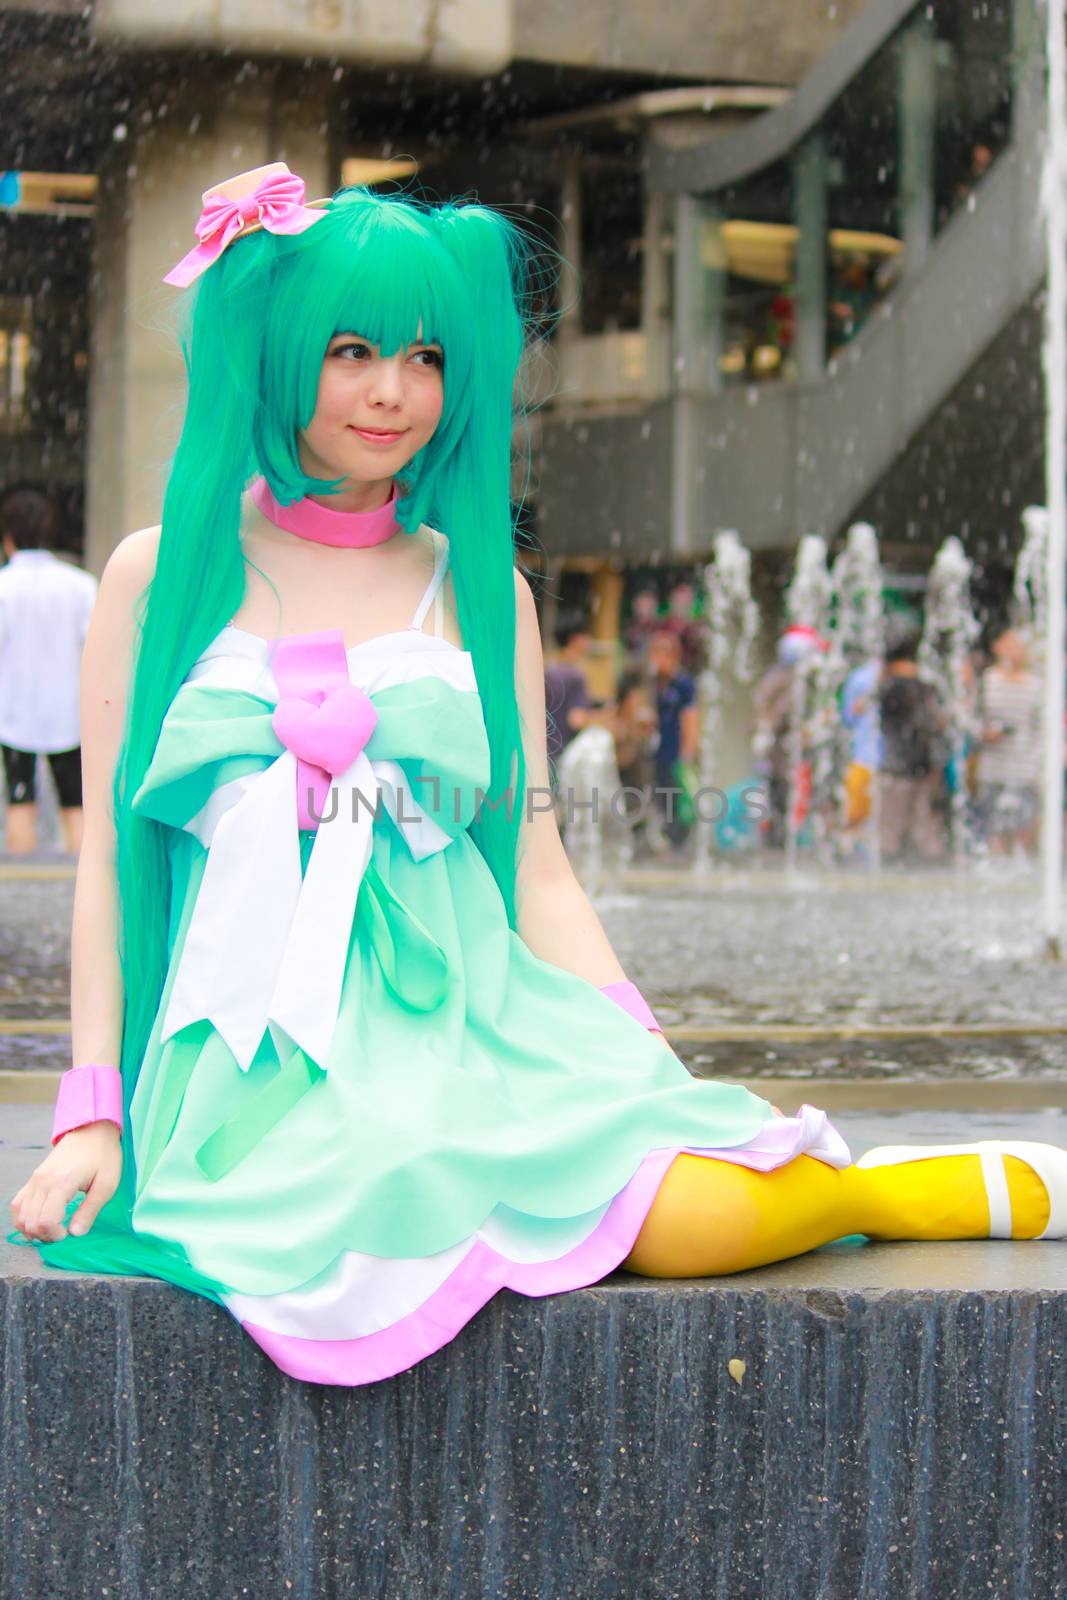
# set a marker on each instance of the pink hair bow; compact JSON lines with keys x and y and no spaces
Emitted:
{"x":276,"y":203}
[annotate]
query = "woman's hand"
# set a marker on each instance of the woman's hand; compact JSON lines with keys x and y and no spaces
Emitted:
{"x":89,"y":1159}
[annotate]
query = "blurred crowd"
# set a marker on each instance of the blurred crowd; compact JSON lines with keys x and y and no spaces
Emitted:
{"x":914,"y":759}
{"x":884,"y":764}
{"x":649,"y":729}
{"x":886,"y":761}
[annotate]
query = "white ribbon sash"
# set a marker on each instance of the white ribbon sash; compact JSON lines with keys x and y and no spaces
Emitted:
{"x":265,"y":948}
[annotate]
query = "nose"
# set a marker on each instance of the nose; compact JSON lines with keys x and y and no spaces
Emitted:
{"x":386,"y":386}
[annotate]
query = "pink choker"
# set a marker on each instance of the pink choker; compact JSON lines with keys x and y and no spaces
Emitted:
{"x":308,"y":520}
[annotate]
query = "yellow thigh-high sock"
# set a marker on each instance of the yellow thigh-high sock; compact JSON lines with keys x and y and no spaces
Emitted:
{"x":711,"y":1216}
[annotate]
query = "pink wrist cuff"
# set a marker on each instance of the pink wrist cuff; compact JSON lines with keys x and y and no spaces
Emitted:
{"x":629,"y":997}
{"x":87,"y":1094}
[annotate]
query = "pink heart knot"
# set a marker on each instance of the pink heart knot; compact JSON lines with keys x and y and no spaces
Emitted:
{"x":329,"y":734}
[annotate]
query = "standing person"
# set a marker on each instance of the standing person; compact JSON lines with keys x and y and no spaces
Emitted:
{"x":633,"y":724}
{"x":642,"y":625}
{"x":678,"y":724}
{"x":913,"y":757}
{"x":852,"y":297}
{"x":961,"y":771}
{"x":859,"y":713}
{"x":45,"y":605}
{"x":772,"y":742}
{"x":771,"y":704}
{"x":566,"y":689}
{"x":380,"y":1061}
{"x":1009,"y":761}
{"x":692,"y":631}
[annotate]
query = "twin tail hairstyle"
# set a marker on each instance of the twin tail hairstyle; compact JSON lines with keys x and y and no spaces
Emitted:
{"x":394,"y":268}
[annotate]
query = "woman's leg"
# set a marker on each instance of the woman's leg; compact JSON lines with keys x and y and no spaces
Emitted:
{"x":893,"y":806}
{"x":67,"y":776}
{"x":711,"y":1216}
{"x":20,"y":768}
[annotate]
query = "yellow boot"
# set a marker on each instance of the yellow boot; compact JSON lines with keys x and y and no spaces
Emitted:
{"x":1024,"y":1184}
{"x":712,"y":1217}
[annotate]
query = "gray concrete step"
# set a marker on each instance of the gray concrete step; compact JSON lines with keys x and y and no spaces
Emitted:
{"x":899,"y":1429}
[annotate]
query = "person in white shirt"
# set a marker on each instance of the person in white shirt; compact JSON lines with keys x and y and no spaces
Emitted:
{"x":45,"y":605}
{"x":1009,"y":762}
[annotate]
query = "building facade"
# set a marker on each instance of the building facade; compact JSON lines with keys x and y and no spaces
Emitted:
{"x":799,"y":259}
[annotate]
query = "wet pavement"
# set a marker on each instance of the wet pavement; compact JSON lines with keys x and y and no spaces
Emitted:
{"x":754,"y":973}
{"x":872,"y":977}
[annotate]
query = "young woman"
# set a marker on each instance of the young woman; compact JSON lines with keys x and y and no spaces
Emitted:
{"x":352,"y":1050}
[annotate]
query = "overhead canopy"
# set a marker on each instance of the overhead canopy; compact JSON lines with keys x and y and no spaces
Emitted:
{"x":763,"y":251}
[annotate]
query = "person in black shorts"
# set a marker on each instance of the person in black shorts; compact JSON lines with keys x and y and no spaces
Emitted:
{"x":20,"y":775}
{"x":45,"y":605}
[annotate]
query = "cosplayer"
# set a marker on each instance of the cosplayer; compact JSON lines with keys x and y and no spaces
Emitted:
{"x":351,"y":1048}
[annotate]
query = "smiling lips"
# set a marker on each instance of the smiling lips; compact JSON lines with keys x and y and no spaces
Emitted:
{"x":380,"y":435}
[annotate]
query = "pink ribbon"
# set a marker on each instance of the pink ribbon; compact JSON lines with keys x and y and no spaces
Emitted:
{"x":629,"y":997}
{"x":277,"y":203}
{"x":321,"y":716}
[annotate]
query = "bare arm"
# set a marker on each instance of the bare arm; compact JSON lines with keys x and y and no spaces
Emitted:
{"x":96,"y":998}
{"x":90,"y":1158}
{"x":554,"y":916}
{"x":689,"y":746}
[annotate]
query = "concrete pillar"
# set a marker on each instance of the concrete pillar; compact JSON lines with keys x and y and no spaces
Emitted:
{"x":653,"y":268}
{"x":918,"y":89}
{"x":699,"y":279}
{"x":810,"y":215}
{"x":605,"y":627}
{"x":699,"y":295}
{"x":1029,"y":96}
{"x":713,"y":276}
{"x":148,"y":203}
{"x":654,"y":290}
{"x":570,"y":248}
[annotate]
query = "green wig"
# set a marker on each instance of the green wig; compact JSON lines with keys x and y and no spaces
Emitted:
{"x":260,"y":319}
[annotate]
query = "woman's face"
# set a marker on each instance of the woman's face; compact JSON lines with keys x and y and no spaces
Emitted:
{"x":372,"y":412}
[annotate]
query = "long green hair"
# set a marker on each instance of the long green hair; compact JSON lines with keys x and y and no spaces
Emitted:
{"x":392,"y":268}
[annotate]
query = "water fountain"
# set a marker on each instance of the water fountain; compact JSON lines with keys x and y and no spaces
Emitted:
{"x":588,"y":786}
{"x":950,"y":629}
{"x":1030,"y":586}
{"x":807,"y":605}
{"x":733,"y":618}
{"x":857,"y":636}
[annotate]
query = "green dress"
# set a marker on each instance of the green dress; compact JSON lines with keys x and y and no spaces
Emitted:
{"x":366,"y":1105}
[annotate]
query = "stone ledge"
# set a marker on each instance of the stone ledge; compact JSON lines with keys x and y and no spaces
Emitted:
{"x":900,"y":1429}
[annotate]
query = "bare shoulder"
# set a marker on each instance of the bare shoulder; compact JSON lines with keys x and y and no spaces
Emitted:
{"x":525,"y":604}
{"x":132,"y":563}
{"x":129,"y":570}
{"x":127,"y":573}
{"x":522,"y":586}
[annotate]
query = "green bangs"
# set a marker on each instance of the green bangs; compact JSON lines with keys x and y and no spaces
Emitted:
{"x":375,"y":267}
